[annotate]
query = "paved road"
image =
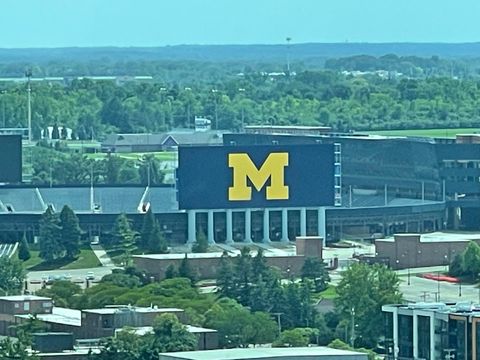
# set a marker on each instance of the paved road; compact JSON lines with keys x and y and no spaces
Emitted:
{"x":421,"y":289}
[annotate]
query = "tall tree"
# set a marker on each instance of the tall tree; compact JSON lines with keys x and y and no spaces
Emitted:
{"x":122,"y":232}
{"x":50,"y":236}
{"x":149,"y":222}
{"x":169,"y":334}
{"x":315,"y":270}
{"x":226,"y":277}
{"x":23,"y":250}
{"x":185,"y":270}
{"x":70,"y":232}
{"x":156,"y":241}
{"x":12,"y":276}
{"x":471,"y":259}
{"x":361,"y":293}
{"x":201,"y":245}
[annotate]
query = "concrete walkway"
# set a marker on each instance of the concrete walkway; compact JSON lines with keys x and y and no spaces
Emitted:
{"x":102,"y":255}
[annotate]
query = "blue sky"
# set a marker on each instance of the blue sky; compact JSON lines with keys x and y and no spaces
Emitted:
{"x":58,"y":23}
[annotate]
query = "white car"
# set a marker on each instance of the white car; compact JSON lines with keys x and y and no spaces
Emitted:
{"x":90,"y":275}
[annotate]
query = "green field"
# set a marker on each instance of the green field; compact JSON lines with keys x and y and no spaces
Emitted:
{"x":441,"y":133}
{"x":85,"y":260}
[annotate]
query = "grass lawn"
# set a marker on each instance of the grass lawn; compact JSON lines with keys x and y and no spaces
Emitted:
{"x":330,"y":293}
{"x":85,"y":260}
{"x":450,"y":133}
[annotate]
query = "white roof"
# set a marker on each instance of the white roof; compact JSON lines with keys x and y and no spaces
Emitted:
{"x":114,"y":310}
{"x":60,"y":316}
{"x":23,"y":298}
{"x":273,"y":252}
{"x":439,"y":237}
{"x":143,"y":330}
{"x":260,"y":353}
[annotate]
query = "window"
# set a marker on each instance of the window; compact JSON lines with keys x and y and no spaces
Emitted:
{"x":26,"y":306}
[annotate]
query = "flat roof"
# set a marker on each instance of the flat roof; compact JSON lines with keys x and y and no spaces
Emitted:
{"x":270,"y":252}
{"x":438,"y":237}
{"x":258,"y":353}
{"x":143,"y":330}
{"x":60,"y":315}
{"x":24,"y":298}
{"x":114,"y":310}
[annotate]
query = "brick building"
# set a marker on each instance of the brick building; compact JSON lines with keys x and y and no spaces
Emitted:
{"x":415,"y":250}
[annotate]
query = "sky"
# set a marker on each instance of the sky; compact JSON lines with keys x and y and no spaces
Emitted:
{"x":62,"y":23}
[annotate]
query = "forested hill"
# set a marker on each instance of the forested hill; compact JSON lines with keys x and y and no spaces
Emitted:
{"x":298,"y":52}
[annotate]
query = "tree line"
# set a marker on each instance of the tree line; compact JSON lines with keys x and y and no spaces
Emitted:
{"x":344,"y":102}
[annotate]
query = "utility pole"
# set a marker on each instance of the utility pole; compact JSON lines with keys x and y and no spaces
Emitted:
{"x":215,"y":91}
{"x":28,"y":74}
{"x":279,"y":322}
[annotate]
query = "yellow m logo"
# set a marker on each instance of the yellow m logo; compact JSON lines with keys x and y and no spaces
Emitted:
{"x":243,"y":168}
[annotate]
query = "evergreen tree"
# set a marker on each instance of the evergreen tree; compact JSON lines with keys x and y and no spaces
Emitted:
{"x":122,"y":232}
{"x":23,"y":251}
{"x":156,"y":242}
{"x":226,"y":277}
{"x":171,"y":272}
{"x":201,"y":246}
{"x":243,"y":276}
{"x":185,"y":271}
{"x":50,"y":233}
{"x":55,"y":132}
{"x":70,"y":232}
{"x":147,"y":228}
{"x":259,"y":266}
{"x":315,"y":270}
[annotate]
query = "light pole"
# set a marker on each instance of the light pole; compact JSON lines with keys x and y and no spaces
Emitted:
{"x":438,"y":285}
{"x":460,"y":288}
{"x":188,"y":90}
{"x":28,"y":74}
{"x":242,"y":91}
{"x":215,"y":91}
{"x":279,"y":322}
{"x":3,"y":92}
{"x":352,"y":339}
{"x":408,"y":276}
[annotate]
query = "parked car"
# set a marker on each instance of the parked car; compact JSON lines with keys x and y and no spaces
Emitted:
{"x":90,"y":275}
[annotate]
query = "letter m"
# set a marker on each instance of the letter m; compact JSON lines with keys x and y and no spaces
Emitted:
{"x":243,"y":168}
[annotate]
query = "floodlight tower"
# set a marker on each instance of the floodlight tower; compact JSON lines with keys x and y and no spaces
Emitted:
{"x":288,"y":39}
{"x":28,"y":74}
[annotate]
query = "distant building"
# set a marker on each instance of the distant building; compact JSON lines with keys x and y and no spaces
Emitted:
{"x":415,"y":250}
{"x":123,"y":143}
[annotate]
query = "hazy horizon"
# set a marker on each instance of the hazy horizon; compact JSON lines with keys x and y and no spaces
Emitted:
{"x":151,"y":23}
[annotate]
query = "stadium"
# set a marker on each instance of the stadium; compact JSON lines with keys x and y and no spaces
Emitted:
{"x":379,"y":186}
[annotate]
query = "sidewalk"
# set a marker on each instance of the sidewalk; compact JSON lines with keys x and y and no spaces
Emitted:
{"x":102,"y":256}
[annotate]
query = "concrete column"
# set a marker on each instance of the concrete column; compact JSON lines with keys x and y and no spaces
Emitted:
{"x":322,"y":228}
{"x":395,"y":333}
{"x":210,"y":227}
{"x":248,"y":226}
{"x":432,"y":336}
{"x":284,"y":225}
{"x":229,"y":215}
{"x":303,"y":222}
{"x":192,"y":231}
{"x":415,"y":335}
{"x":266,"y":226}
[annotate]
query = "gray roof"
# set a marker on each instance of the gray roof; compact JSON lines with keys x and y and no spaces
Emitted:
{"x":312,"y":353}
{"x":110,"y":200}
{"x":185,"y":137}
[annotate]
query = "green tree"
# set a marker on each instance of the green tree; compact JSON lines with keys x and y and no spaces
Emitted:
{"x":201,"y":246}
{"x":151,"y":237}
{"x":126,"y":345}
{"x":122,"y":232}
{"x":170,"y":335}
{"x":171,"y":272}
{"x":62,"y":292}
{"x":23,"y":250}
{"x":456,"y":267}
{"x":12,"y":276}
{"x":314,"y":269}
{"x":339,"y":344}
{"x":10,"y":349}
{"x":471,"y":259}
{"x":237,"y":327}
{"x":226,"y":277}
{"x":297,"y":337}
{"x":185,"y":270}
{"x":50,"y":233}
{"x":361,"y":293}
{"x":70,"y":232}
